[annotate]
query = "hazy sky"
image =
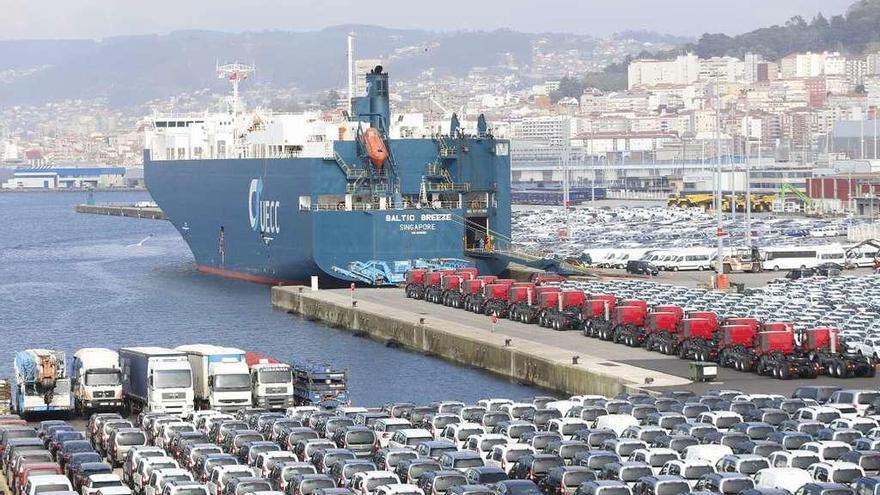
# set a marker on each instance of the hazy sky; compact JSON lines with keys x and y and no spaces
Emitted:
{"x":102,"y":18}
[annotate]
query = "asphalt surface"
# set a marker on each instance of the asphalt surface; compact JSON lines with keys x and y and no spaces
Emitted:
{"x":704,"y":278}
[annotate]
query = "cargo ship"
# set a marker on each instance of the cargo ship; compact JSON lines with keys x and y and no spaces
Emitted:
{"x":362,"y":197}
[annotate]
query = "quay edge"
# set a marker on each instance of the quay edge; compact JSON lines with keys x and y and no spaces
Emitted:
{"x":528,"y":362}
{"x":122,"y":211}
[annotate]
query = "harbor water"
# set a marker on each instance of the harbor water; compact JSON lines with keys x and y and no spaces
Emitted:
{"x":70,"y":280}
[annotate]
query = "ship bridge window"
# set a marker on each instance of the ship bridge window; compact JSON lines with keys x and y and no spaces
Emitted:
{"x":162,"y":124}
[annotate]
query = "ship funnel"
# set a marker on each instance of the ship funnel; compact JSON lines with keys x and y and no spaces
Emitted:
{"x":375,"y":105}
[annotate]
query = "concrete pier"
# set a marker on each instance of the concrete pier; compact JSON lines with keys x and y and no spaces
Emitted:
{"x":469,"y":339}
{"x":122,"y":211}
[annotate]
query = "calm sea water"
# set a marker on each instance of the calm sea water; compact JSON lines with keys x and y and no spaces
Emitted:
{"x":70,"y":280}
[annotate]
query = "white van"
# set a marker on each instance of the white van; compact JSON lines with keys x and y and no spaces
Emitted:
{"x":691,"y":259}
{"x":616,"y":422}
{"x":708,"y":453}
{"x":859,"y":399}
{"x":790,"y":479}
{"x":862,"y":257}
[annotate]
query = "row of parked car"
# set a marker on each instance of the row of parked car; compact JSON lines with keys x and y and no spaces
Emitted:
{"x":57,"y":459}
{"x":613,"y":229}
{"x":821,"y":441}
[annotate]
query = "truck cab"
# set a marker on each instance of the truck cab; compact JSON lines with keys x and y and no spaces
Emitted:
{"x":156,"y":379}
{"x":97,"y":380}
{"x":42,"y":384}
{"x":221,"y":379}
{"x":271,"y":382}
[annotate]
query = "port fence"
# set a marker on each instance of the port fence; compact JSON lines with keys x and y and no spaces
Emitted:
{"x":859,"y":233}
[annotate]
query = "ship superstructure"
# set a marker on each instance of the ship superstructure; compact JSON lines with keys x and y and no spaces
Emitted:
{"x":278,"y":198}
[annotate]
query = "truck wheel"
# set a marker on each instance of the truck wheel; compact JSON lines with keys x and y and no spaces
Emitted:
{"x":783,"y":372}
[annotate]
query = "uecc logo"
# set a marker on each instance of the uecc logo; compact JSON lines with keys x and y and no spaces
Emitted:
{"x":262,"y":214}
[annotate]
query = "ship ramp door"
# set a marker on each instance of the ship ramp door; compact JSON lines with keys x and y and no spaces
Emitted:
{"x":476,"y":230}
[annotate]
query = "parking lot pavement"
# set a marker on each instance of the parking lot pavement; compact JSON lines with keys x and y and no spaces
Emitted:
{"x":704,"y":278}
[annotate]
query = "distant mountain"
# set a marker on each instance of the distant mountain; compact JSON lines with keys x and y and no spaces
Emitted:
{"x":852,"y":32}
{"x":133,"y":69}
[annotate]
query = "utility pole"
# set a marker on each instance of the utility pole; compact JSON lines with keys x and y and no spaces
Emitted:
{"x":719,"y":262}
{"x":748,"y":152}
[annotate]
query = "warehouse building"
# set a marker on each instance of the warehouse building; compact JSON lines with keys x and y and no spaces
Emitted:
{"x":66,"y":178}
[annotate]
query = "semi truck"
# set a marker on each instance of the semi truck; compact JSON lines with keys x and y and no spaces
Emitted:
{"x":41,"y":382}
{"x":156,"y":379}
{"x":97,"y":380}
{"x":271,"y":382}
{"x":221,"y":378}
{"x":317,"y":384}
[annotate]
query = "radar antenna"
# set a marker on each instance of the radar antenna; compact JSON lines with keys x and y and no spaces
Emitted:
{"x":235,"y":73}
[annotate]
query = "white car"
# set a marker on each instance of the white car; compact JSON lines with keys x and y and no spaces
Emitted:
{"x":385,"y":428}
{"x":504,"y":456}
{"x":458,"y":433}
{"x":722,"y":420}
{"x":47,"y":483}
{"x":366,"y":482}
{"x":146,"y":468}
{"x":800,"y":459}
{"x":567,"y":426}
{"x":836,"y":472}
{"x":493,"y":404}
{"x":399,"y":489}
{"x":817,"y":413}
{"x":160,"y":477}
{"x":869,"y":347}
{"x":97,"y":481}
{"x":222,"y":474}
{"x":483,"y":444}
{"x":827,"y":450}
{"x":692,"y":470}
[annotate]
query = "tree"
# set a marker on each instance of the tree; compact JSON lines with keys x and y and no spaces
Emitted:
{"x":569,"y":87}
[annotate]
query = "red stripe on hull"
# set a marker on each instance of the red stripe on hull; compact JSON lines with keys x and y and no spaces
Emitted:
{"x":247,"y":277}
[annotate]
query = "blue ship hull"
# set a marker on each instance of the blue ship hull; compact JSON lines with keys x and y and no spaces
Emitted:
{"x":268,"y":221}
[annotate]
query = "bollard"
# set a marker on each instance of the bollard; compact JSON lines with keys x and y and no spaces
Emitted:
{"x":507,"y":342}
{"x":421,"y":321}
{"x":354,"y":304}
{"x":574,"y":359}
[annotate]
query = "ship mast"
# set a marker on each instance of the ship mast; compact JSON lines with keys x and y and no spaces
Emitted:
{"x":235,"y":73}
{"x":350,"y":71}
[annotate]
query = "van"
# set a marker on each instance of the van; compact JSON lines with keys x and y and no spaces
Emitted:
{"x":708,"y":453}
{"x":859,"y":399}
{"x":690,"y":260}
{"x":789,"y":479}
{"x":615,"y":422}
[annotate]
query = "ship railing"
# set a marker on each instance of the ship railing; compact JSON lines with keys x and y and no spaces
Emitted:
{"x":448,"y":186}
{"x":435,"y":205}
